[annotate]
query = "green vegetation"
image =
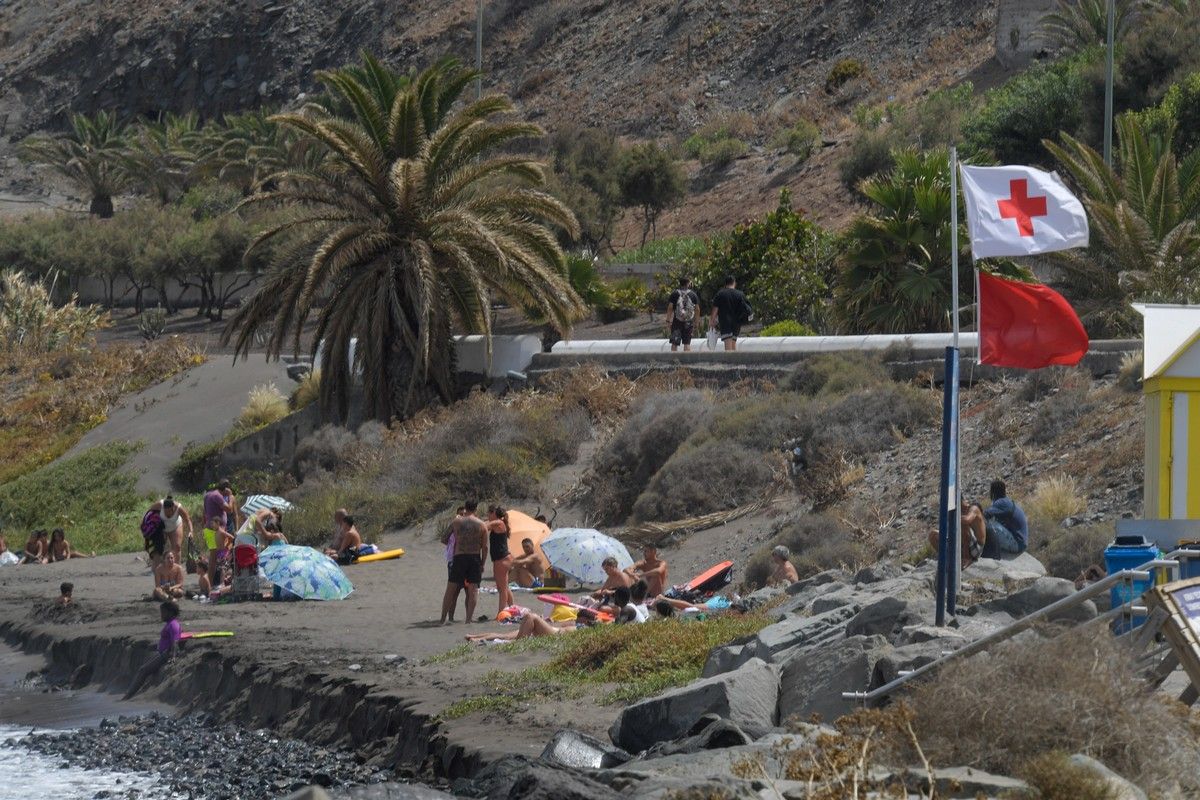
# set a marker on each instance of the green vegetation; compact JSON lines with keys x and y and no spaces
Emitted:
{"x":672,"y":250}
{"x":91,"y":496}
{"x":424,"y":261}
{"x":1146,"y":245}
{"x":844,"y":71}
{"x":799,"y":139}
{"x":624,"y":299}
{"x":1079,"y":24}
{"x":787,"y":327}
{"x":783,"y":262}
{"x":88,"y":157}
{"x":718,"y":143}
{"x":585,"y":178}
{"x":624,"y":663}
{"x":30,"y":322}
{"x":651,"y":181}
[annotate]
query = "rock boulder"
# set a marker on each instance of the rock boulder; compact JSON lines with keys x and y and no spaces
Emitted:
{"x":813,"y":682}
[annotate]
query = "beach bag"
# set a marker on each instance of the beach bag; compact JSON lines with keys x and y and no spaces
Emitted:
{"x":152,"y":524}
{"x":563,"y":614}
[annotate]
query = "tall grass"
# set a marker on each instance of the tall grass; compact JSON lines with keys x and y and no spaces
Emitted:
{"x":265,"y":404}
{"x":671,"y":250}
{"x":1055,"y":498}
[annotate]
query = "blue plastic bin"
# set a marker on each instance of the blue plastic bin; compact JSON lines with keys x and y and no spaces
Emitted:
{"x":1129,"y":556}
{"x":1189,"y":567}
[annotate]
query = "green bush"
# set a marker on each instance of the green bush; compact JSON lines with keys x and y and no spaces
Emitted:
{"x":936,"y":120}
{"x":870,"y":154}
{"x":671,"y":250}
{"x":151,"y":323}
{"x":1035,"y":105}
{"x":1178,"y":114}
{"x":714,"y":476}
{"x":800,"y":139}
{"x":835,"y":373}
{"x":1067,"y":552}
{"x":627,"y":297}
{"x":650,"y":180}
{"x":787,"y":327}
{"x":844,"y":71}
{"x":783,"y":262}
{"x":1161,"y":51}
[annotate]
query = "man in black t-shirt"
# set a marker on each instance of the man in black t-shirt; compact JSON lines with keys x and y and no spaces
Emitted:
{"x":682,"y":309}
{"x":730,"y":312}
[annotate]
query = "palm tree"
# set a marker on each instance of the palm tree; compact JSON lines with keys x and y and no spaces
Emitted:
{"x":414,"y":221}
{"x":157,"y":159}
{"x":1079,"y":24}
{"x":89,"y":156}
{"x":1144,"y":215}
{"x":895,"y":276}
{"x":244,"y":149}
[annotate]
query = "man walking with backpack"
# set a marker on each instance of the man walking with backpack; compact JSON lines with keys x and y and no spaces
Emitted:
{"x":681,"y":315}
{"x":730,"y":312}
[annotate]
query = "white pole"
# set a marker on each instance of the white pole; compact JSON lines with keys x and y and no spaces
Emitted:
{"x":479,"y":49}
{"x":1108,"y":83}
{"x":954,"y":240}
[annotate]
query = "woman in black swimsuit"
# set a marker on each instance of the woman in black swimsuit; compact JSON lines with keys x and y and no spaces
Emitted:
{"x":501,"y":557}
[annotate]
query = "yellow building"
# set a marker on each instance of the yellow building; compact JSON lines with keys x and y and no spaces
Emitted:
{"x":1171,"y":373}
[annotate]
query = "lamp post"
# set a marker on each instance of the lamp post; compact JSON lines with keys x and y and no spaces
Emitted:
{"x":1108,"y":84}
{"x":479,"y":48}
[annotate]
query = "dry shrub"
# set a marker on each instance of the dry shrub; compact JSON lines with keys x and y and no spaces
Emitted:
{"x":818,"y":542}
{"x":1042,"y":383}
{"x":325,"y":450}
{"x":1129,"y":375}
{"x":307,"y":391}
{"x":868,"y":420}
{"x":625,"y":465}
{"x":266,"y":404}
{"x":605,"y":397}
{"x":1076,"y":693}
{"x":835,"y":373}
{"x":1055,"y":498}
{"x":1067,"y":552}
{"x":1060,"y":413}
{"x":717,"y":475}
{"x":1053,"y":776}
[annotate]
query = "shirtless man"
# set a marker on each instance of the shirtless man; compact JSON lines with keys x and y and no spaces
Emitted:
{"x":450,"y":596}
{"x":168,"y":579}
{"x":528,"y":568}
{"x":616,"y":578}
{"x":345,"y":549}
{"x":783,"y":573}
{"x":651,"y":569}
{"x":470,"y":549}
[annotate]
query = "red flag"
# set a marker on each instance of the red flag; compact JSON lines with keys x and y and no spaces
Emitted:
{"x":1027,"y":325}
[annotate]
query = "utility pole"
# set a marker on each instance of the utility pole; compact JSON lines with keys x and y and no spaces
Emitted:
{"x":479,"y":47}
{"x":1108,"y":84}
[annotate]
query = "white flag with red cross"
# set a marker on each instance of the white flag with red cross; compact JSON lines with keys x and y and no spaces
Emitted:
{"x":1021,"y":211}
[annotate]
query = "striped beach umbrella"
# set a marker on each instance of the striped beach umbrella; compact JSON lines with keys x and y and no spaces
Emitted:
{"x":257,"y":502}
{"x":578,"y":552}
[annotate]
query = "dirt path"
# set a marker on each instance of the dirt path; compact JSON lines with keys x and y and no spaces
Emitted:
{"x":199,"y":405}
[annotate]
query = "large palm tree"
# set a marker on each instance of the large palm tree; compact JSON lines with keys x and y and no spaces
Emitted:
{"x":415,"y":220}
{"x":896,"y":276}
{"x":1144,"y":216}
{"x":157,"y":159}
{"x":89,"y":157}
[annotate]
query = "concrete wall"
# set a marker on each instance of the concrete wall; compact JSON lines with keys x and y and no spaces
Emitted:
{"x":1017,"y":36}
{"x":271,"y":448}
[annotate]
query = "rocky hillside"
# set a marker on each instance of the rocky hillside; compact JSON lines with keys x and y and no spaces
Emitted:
{"x":645,"y":68}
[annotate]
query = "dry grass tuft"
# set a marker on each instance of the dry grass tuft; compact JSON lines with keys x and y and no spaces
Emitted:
{"x":1052,"y":776}
{"x":308,"y":391}
{"x":266,"y":404}
{"x":1074,"y":693}
{"x":1055,"y":498}
{"x":1129,"y":375}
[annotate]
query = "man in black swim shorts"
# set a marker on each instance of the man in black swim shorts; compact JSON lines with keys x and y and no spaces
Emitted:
{"x":470,"y":548}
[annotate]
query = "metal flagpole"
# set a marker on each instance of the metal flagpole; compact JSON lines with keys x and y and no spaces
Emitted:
{"x":1108,"y":83}
{"x":949,"y":520}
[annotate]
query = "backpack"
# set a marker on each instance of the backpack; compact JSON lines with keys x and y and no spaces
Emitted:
{"x":152,"y":524}
{"x":685,"y":307}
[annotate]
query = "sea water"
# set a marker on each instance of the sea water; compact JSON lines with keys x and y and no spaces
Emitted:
{"x":26,"y":775}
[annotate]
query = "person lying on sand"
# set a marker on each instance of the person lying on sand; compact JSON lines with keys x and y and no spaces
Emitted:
{"x":37,"y":549}
{"x":168,"y":644}
{"x":528,"y":569}
{"x":60,"y":548}
{"x":615,"y":579}
{"x":532,"y":625}
{"x":784,"y":573}
{"x":651,"y":569}
{"x":168,"y":579}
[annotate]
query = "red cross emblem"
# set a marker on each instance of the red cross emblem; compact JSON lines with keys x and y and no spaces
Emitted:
{"x":1021,"y":207}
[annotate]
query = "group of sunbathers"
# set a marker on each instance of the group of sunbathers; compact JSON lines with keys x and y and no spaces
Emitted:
{"x":42,"y":548}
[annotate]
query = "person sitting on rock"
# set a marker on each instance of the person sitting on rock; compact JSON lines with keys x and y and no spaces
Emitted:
{"x":1005,"y":523}
{"x":974,"y":533}
{"x":528,"y":569}
{"x":168,"y":579}
{"x":783,"y":573}
{"x":616,"y":578}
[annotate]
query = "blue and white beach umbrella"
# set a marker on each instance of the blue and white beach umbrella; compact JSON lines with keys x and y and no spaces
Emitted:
{"x":578,"y":552}
{"x":257,"y":502}
{"x":305,"y":572}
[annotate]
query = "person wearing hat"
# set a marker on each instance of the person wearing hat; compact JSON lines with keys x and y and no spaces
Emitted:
{"x":784,"y":573}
